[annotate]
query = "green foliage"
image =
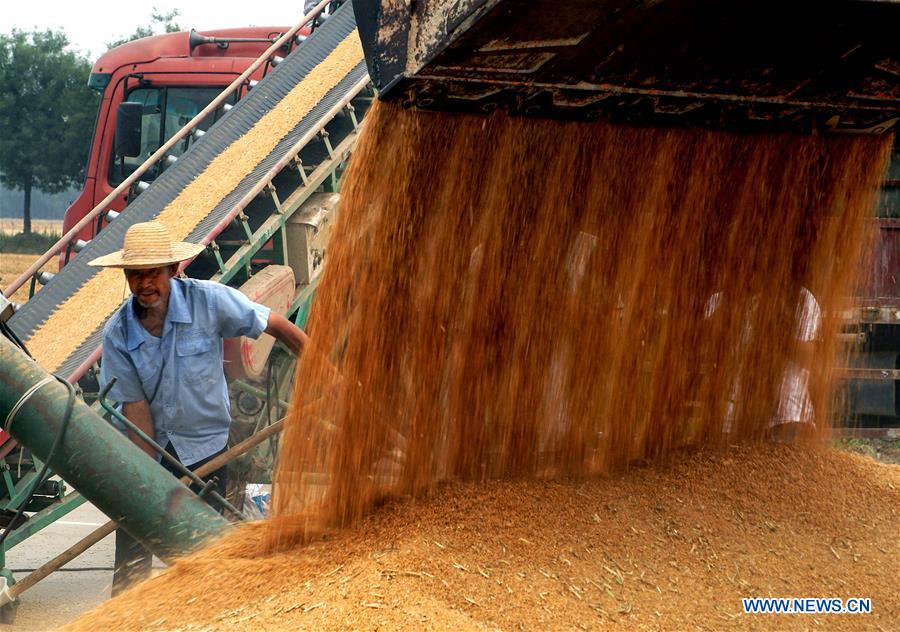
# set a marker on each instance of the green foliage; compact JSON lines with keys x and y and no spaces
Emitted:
{"x":27,"y":243}
{"x":165,"y":21}
{"x":46,"y":113}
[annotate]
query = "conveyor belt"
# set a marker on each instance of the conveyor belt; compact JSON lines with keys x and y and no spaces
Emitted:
{"x":191,"y":170}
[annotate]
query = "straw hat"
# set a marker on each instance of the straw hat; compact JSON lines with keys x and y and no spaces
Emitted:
{"x":148,"y":245}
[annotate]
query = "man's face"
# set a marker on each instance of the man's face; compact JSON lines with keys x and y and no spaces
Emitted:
{"x":150,"y":287}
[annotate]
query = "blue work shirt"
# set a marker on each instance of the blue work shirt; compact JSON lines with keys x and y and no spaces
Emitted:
{"x":191,"y":409}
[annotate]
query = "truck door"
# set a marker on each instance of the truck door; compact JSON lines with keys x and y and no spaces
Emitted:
{"x":166,"y":109}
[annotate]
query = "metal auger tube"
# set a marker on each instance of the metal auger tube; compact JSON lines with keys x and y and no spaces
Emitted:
{"x":102,"y":464}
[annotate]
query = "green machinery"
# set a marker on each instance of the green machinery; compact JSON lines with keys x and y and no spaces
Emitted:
{"x":64,"y":434}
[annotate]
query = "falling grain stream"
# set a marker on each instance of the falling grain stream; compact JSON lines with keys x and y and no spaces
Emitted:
{"x":516,"y":298}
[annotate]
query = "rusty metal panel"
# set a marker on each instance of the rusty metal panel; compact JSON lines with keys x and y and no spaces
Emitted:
{"x":881,"y":285}
{"x":886,"y":273}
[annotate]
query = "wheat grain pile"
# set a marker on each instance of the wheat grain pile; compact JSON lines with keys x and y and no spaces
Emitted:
{"x":655,"y":548}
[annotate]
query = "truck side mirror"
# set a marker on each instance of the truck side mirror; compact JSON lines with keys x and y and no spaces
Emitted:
{"x":128,"y":129}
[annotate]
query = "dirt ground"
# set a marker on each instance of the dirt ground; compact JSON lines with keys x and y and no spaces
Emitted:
{"x":12,"y":265}
{"x":671,"y":547}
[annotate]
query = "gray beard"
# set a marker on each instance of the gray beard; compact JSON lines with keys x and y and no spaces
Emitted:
{"x":155,"y":303}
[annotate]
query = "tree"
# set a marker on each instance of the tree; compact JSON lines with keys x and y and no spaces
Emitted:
{"x":47,"y":114}
{"x":157,"y":20}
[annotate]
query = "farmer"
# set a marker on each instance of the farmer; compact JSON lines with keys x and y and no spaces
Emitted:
{"x":164,"y":347}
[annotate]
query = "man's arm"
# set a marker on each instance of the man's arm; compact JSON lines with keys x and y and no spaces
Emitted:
{"x":139,"y":414}
{"x":239,"y":316}
{"x":287,"y":333}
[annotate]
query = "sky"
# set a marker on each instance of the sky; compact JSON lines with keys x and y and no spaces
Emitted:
{"x":91,"y":23}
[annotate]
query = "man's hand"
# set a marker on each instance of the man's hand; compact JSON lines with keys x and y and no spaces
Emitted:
{"x":287,"y":333}
{"x":138,"y":413}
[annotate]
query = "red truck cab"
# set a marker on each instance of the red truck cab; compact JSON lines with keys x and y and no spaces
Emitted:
{"x":173,"y":76}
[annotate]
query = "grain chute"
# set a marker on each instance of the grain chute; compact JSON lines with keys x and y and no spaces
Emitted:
{"x":799,"y":66}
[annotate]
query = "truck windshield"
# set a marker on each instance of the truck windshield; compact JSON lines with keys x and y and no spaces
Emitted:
{"x":165,"y":111}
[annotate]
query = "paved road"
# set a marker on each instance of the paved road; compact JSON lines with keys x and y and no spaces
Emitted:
{"x":64,"y":595}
